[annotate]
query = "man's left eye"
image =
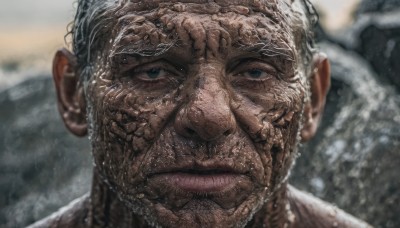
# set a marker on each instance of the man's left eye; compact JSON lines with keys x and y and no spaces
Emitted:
{"x":253,"y":70}
{"x":255,"y":74}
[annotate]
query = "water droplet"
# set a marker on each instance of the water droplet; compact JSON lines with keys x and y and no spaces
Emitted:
{"x":140,"y":196}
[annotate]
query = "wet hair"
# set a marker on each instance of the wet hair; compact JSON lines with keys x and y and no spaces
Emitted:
{"x":93,"y":16}
{"x":308,"y":48}
{"x":85,"y":32}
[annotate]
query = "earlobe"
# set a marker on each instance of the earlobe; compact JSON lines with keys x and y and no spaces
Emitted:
{"x":319,"y":87}
{"x":70,"y":96}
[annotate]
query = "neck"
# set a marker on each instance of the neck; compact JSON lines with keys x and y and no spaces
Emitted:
{"x":106,"y":210}
{"x":276,"y":212}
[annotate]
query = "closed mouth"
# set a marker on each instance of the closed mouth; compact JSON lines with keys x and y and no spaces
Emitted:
{"x":200,"y":180}
{"x":200,"y":183}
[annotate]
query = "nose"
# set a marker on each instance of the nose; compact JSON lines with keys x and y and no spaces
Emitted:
{"x":207,"y":115}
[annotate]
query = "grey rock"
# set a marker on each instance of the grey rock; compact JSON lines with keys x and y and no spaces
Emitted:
{"x":368,"y":6}
{"x":354,"y":159}
{"x":42,"y":166}
{"x":375,"y":35}
{"x":379,"y":44}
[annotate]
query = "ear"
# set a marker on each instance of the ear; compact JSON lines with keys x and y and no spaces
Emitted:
{"x":70,"y":96}
{"x":319,"y":86}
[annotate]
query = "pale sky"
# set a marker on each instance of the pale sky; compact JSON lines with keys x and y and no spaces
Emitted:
{"x":337,"y":12}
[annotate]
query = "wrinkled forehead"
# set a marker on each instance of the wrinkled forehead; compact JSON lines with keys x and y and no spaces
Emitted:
{"x":209,"y":25}
{"x":139,"y":5}
{"x":278,"y":10}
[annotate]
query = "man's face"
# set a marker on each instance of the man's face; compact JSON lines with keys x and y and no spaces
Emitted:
{"x":195,"y":109}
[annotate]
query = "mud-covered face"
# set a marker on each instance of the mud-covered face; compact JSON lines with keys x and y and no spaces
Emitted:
{"x":195,"y":109}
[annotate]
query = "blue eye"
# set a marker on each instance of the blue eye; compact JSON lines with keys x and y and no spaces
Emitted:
{"x":255,"y":74}
{"x":154,"y":73}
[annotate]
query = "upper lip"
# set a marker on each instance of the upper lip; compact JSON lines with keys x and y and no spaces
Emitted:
{"x":202,"y":168}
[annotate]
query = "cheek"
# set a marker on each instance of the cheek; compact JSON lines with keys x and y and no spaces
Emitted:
{"x":126,"y":125}
{"x":273,"y":124}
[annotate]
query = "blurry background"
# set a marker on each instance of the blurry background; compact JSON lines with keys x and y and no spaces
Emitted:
{"x":30,"y":32}
{"x":353,"y":162}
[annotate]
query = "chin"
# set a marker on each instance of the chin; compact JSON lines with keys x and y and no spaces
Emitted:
{"x":202,"y":212}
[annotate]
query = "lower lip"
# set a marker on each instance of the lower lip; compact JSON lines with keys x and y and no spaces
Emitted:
{"x":197,"y":183}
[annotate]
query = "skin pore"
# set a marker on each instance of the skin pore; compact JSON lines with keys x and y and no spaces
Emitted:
{"x":194,"y":111}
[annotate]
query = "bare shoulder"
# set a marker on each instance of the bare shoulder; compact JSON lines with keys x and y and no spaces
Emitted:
{"x":310,"y":211}
{"x":72,"y":215}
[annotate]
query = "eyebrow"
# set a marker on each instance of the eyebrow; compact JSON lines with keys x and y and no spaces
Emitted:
{"x":268,"y":49}
{"x":145,"y":50}
{"x":142,"y":49}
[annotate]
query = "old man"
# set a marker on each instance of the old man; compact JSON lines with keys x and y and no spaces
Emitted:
{"x":194,"y":110}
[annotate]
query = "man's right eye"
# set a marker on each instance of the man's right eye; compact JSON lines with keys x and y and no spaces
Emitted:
{"x":156,"y":75}
{"x":152,"y":74}
{"x":255,"y":74}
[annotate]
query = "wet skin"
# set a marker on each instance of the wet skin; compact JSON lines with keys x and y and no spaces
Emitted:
{"x":195,"y":112}
{"x":204,"y":132}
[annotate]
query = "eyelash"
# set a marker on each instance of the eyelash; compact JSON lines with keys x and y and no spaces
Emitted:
{"x":241,"y":80}
{"x":256,"y":79}
{"x":171,"y":78}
